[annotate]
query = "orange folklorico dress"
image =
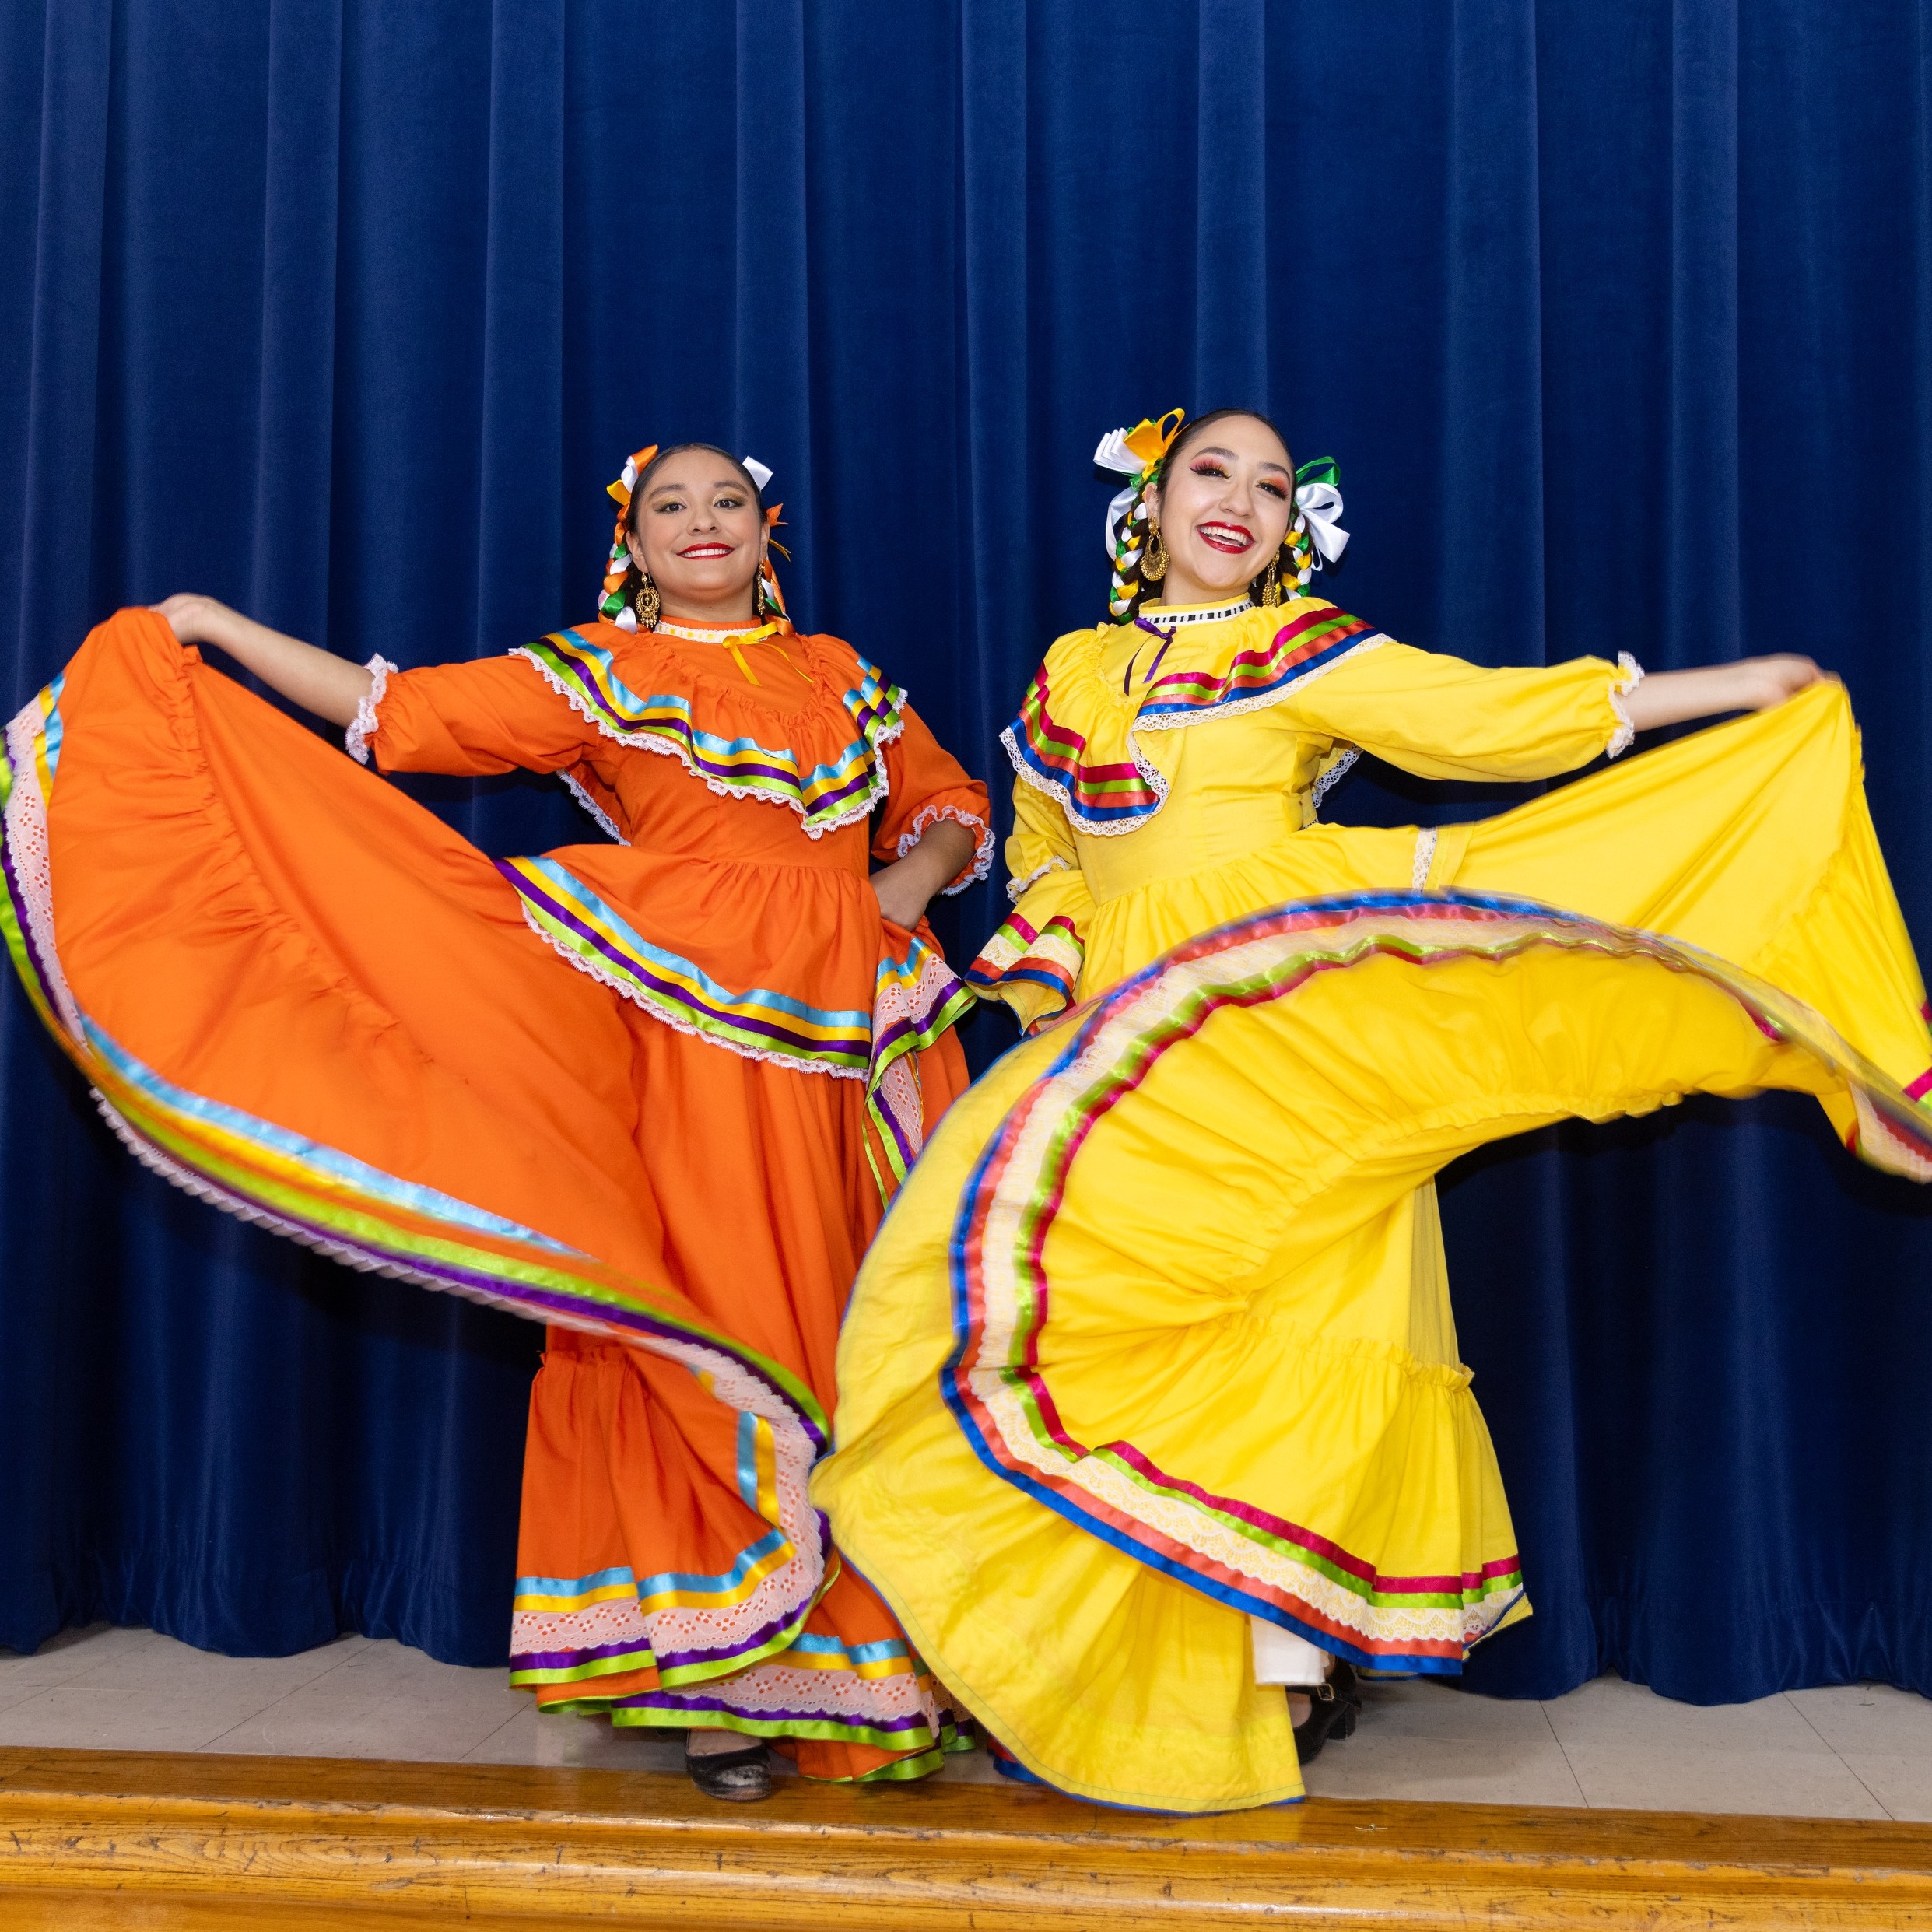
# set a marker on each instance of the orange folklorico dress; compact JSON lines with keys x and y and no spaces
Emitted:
{"x":651,"y":1090}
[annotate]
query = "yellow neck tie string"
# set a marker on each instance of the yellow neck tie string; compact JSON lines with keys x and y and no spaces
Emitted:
{"x":733,"y":641}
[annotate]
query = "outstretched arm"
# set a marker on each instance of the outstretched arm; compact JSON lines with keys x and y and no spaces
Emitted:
{"x":1752,"y":684}
{"x":318,"y":681}
{"x":1440,"y":717}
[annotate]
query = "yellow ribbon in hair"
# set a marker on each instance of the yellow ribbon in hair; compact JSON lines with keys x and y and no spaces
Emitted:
{"x":1150,"y":441}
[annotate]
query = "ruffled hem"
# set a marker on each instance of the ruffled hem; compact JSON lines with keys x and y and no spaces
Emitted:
{"x":1332,"y":777}
{"x":982,"y":861}
{"x":580,"y":792}
{"x":1150,"y":776}
{"x":828,"y":795}
{"x":369,"y":1219}
{"x":1018,"y":888}
{"x":1630,"y":674}
{"x":1035,"y":972}
{"x":997,"y":1382}
{"x":915,"y":1000}
{"x":362,"y":726}
{"x":757,"y":1024}
{"x":682,"y":1022}
{"x":1053,"y":756}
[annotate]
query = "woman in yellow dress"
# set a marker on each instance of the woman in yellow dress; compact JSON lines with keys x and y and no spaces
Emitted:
{"x":1150,"y":1401}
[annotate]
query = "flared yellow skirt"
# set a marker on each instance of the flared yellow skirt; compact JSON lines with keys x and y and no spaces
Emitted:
{"x":1158,"y":1338}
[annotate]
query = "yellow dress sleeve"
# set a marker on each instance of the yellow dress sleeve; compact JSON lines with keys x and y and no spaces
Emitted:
{"x":1032,"y":963}
{"x":1440,"y":717}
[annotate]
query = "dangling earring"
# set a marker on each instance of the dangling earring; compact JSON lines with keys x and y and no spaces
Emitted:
{"x":644,"y":600}
{"x":1154,"y":565}
{"x":1271,"y":584}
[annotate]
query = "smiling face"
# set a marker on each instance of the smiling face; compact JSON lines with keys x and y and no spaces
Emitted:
{"x":1222,"y":509}
{"x":697,"y":528}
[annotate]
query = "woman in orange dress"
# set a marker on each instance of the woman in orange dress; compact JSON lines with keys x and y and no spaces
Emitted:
{"x":652,"y":1090}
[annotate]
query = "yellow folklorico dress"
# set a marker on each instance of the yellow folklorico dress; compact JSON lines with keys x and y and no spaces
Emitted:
{"x":1157,"y":1339}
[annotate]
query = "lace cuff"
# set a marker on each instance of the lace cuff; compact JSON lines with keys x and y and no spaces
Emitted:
{"x":982,"y":862}
{"x":1018,"y":888}
{"x":1629,"y":675}
{"x":362,"y":726}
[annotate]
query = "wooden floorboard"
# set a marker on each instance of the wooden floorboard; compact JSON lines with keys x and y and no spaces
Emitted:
{"x":91,"y":1839}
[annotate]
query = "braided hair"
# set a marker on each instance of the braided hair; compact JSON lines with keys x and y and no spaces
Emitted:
{"x":1287,"y":573}
{"x":622,"y":595}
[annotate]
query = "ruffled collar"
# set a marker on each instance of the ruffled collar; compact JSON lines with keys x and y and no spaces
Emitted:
{"x":822,"y":761}
{"x":1075,"y":737}
{"x":746,"y":632}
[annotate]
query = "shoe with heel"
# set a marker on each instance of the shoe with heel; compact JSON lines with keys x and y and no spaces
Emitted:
{"x":1333,"y":1708}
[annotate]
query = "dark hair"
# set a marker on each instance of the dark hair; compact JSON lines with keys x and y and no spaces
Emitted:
{"x":1190,"y":433}
{"x":664,"y":455}
{"x":634,"y":577}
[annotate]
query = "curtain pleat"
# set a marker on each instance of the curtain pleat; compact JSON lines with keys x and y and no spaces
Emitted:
{"x":289,"y":547}
{"x":1619,"y":323}
{"x":994,"y":551}
{"x":1233,"y":167}
{"x":57,"y":494}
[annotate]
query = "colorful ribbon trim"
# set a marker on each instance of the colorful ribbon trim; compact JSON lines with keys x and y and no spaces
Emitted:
{"x":1304,"y":646}
{"x":1016,"y":954}
{"x":381,"y":1223}
{"x":825,"y":796}
{"x":758,"y":1023}
{"x":733,"y":1631}
{"x":1224,"y":1546}
{"x":915,"y":1001}
{"x":1109,"y":797}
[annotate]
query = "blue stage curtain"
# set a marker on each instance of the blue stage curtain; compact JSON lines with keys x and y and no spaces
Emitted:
{"x":1619,"y":320}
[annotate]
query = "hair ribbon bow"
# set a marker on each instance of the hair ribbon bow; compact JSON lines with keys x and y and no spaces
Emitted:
{"x":1318,"y":506}
{"x":1133,"y":452}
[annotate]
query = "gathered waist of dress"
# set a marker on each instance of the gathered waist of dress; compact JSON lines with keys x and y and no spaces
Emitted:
{"x":1187,"y":836}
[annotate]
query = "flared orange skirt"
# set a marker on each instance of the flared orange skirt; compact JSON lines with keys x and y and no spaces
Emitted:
{"x":298,"y":994}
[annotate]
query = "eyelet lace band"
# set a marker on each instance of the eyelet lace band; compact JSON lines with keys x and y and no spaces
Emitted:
{"x":1426,"y":841}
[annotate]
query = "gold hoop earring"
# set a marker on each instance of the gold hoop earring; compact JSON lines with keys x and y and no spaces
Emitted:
{"x":1154,"y":565}
{"x":645,"y":603}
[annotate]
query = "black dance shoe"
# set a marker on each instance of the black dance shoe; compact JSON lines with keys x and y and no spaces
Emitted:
{"x":1333,"y":1708}
{"x":740,"y":1777}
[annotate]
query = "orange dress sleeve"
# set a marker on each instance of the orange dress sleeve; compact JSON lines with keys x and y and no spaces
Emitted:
{"x":926,"y":784}
{"x":495,"y":715}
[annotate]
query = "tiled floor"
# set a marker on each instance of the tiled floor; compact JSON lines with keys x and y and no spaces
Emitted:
{"x":1855,"y":1751}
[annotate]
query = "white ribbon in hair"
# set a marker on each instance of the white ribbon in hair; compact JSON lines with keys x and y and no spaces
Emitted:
{"x":759,"y":473}
{"x":1319,"y":506}
{"x":1117,"y":511}
{"x":1113,"y":453}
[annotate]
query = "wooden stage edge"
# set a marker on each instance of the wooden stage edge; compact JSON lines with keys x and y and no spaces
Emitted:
{"x":90,"y":1839}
